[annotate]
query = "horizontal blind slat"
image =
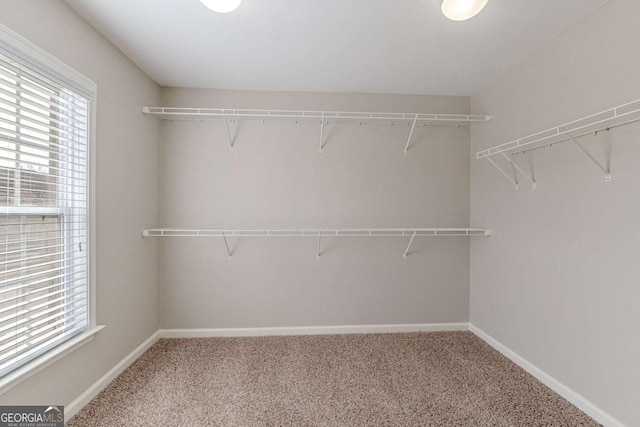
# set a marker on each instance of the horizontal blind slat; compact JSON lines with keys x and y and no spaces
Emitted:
{"x":25,"y":131}
{"x":51,"y":193}
{"x":81,"y":185}
{"x":78,"y":288}
{"x":29,"y":253}
{"x":44,"y":121}
{"x":42,"y":316}
{"x":21,"y":288}
{"x":10,"y":83}
{"x":31,"y":276}
{"x":15,"y":328}
{"x":36,"y":266}
{"x":45,"y":239}
{"x":22,"y":71}
{"x":38,"y":335}
{"x":32,"y":80}
{"x":69,"y":219}
{"x":8,"y":363}
{"x":54,"y":154}
{"x":13,"y":136}
{"x":15,"y":242}
{"x":21,"y":98}
{"x":29,"y":258}
{"x":26,"y":162}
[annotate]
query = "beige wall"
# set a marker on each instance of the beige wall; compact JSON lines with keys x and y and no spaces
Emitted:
{"x":558,"y":281}
{"x":127,"y":198}
{"x":275,"y":177}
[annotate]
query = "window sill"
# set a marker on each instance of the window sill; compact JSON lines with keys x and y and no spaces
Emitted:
{"x":14,"y":378}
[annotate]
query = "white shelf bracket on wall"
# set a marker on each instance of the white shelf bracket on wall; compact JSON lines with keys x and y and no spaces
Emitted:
{"x":226,"y":125}
{"x":517,"y":168}
{"x":513,"y":180}
{"x":318,"y":248}
{"x":604,"y":120}
{"x":321,"y":133}
{"x":318,"y":233}
{"x":413,"y":126}
{"x":406,"y":251}
{"x":226,"y":244}
{"x":607,"y":173}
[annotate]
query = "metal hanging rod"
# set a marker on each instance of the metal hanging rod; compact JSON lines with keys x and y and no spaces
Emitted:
{"x":314,"y":232}
{"x":604,"y":120}
{"x":173,"y":113}
{"x":409,"y":124}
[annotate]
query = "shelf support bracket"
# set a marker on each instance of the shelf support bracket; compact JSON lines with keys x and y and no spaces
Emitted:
{"x":413,"y":126}
{"x":226,"y":244}
{"x":406,"y":252}
{"x":517,"y":168}
{"x":607,"y":173}
{"x":506,"y":175}
{"x":226,"y":125}
{"x":322,"y":133}
{"x":318,"y":248}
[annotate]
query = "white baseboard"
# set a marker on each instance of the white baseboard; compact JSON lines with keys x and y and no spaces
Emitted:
{"x":576,"y":399}
{"x":75,"y":406}
{"x":312,"y":330}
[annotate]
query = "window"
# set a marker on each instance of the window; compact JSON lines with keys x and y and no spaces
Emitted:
{"x":45,"y":291}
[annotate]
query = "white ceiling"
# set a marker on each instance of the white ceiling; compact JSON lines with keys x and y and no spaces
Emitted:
{"x":375,"y":46}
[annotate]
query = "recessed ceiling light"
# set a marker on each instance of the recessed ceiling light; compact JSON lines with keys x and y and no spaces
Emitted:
{"x":460,"y":10}
{"x":222,"y":6}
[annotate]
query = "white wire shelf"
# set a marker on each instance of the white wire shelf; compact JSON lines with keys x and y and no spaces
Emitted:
{"x":322,"y":118}
{"x":318,"y":233}
{"x":592,"y":124}
{"x":174,"y":113}
{"x":314,"y":232}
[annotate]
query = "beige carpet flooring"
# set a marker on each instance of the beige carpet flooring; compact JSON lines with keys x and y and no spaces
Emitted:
{"x":416,"y":379}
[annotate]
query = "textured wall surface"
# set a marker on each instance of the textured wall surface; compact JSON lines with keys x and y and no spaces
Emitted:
{"x":557,"y":282}
{"x":275,"y":177}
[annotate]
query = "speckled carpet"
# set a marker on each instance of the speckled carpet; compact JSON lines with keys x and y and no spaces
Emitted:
{"x":416,"y":379}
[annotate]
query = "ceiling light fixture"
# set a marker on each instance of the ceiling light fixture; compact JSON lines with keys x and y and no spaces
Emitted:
{"x":461,"y":10}
{"x":221,"y":6}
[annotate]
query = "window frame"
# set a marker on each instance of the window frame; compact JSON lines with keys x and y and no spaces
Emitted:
{"x":21,"y":50}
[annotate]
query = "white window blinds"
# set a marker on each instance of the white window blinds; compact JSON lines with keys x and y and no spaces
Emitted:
{"x":44,"y":280}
